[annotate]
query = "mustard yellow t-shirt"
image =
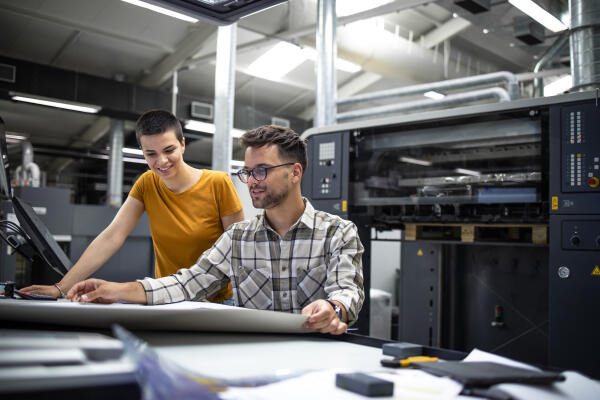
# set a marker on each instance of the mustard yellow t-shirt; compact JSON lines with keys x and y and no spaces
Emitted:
{"x":184,"y":225}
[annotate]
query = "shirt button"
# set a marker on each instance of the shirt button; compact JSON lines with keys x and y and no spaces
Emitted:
{"x":283,"y":268}
{"x":284,"y":294}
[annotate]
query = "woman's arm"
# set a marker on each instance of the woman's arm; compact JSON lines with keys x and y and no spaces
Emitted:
{"x":227,"y":220}
{"x":100,"y":250}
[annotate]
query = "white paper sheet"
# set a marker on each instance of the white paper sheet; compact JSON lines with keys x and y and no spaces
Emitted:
{"x":184,"y":316}
{"x":408,"y":385}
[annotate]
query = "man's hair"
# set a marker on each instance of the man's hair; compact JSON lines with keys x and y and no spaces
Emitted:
{"x":290,"y":145}
{"x":154,"y":122}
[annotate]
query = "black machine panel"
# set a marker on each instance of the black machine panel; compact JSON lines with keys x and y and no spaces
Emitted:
{"x":574,"y":267}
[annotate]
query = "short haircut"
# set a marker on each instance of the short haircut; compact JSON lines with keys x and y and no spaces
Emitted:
{"x":290,"y":145}
{"x":154,"y":122}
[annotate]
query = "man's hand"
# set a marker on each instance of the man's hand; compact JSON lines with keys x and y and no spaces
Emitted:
{"x":323,"y":318}
{"x":100,"y":291}
{"x":49,"y":290}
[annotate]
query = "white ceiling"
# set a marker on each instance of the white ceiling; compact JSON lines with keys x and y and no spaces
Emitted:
{"x":117,"y":40}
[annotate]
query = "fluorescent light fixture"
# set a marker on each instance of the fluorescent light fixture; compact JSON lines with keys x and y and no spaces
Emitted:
{"x":199,"y":126}
{"x":237,"y":164}
{"x":15,"y":137}
{"x":128,"y":150}
{"x":539,"y":14}
{"x":410,"y":160}
{"x":277,"y":61}
{"x":434,"y":95}
{"x":467,"y":172}
{"x":162,"y":10}
{"x":559,"y":86}
{"x":50,"y":102}
{"x":207,"y":127}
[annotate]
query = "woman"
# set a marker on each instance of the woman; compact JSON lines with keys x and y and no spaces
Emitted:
{"x":188,"y":208}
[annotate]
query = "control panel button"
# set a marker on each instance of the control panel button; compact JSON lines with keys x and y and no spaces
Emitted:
{"x":593,"y":182}
{"x":575,"y":240}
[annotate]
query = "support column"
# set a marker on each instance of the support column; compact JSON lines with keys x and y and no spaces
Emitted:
{"x":114,"y":197}
{"x":224,"y":97}
{"x":325,"y":106}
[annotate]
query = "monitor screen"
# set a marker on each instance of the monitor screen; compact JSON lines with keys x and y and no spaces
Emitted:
{"x":40,"y":237}
{"x":5,"y":189}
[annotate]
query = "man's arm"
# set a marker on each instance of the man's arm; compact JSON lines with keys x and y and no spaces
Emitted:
{"x":100,"y":291}
{"x":323,"y":318}
{"x":344,"y":283}
{"x":207,"y":276}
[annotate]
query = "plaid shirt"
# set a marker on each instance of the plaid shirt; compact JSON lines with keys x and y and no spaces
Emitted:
{"x":318,"y":258}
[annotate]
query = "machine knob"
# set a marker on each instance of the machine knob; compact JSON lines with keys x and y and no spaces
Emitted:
{"x":593,"y":182}
{"x":564,"y":272}
{"x":575,"y":240}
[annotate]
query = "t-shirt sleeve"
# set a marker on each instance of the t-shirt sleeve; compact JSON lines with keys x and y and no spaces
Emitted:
{"x":137,"y":191}
{"x":229,"y":201}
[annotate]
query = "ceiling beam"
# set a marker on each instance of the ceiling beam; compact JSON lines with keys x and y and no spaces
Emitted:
{"x":84,"y":27}
{"x":445,"y":31}
{"x":190,"y":45}
{"x":293,"y":34}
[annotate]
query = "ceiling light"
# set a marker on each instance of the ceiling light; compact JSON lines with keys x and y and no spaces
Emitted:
{"x":207,"y":127}
{"x":199,"y":126}
{"x":50,"y":102}
{"x":539,"y":14}
{"x":416,"y":161}
{"x":559,"y":86}
{"x":467,"y":172}
{"x":15,"y":136}
{"x":237,"y":164}
{"x":128,"y":150}
{"x":485,"y":31}
{"x":277,"y":61}
{"x":434,"y":95}
{"x":162,"y":10}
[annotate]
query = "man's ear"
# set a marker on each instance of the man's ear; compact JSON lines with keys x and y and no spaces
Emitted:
{"x":297,"y":171}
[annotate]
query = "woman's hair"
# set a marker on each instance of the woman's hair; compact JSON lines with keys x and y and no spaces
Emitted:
{"x":291,"y":147}
{"x":154,"y":122}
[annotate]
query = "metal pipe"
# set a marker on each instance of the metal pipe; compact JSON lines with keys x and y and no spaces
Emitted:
{"x":451,"y":84}
{"x":585,"y":44}
{"x":557,"y":46}
{"x":114,"y":196}
{"x":419,"y":105}
{"x":174,"y":92}
{"x":325,"y":109}
{"x":224,"y":97}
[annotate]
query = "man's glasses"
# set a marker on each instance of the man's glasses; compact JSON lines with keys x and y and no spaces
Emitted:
{"x":258,"y":173}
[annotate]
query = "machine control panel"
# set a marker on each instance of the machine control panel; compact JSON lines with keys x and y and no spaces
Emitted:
{"x":580,"y":149}
{"x":327,"y":169}
{"x":580,"y":235}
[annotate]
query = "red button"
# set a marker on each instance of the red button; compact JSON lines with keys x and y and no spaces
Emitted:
{"x":593,"y":182}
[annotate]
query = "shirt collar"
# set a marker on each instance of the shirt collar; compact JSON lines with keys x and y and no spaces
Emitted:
{"x":307,"y":217}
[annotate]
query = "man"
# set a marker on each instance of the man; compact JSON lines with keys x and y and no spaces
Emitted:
{"x":292,"y":258}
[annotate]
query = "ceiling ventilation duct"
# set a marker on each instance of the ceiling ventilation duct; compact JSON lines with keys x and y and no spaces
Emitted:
{"x":474,"y":6}
{"x":220,"y":12}
{"x":585,"y":44}
{"x":528,"y":31}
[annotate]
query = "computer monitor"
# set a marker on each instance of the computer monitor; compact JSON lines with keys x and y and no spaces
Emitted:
{"x":5,"y":188}
{"x":40,"y":237}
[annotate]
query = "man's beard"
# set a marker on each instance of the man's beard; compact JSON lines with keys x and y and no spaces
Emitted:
{"x":269,"y":199}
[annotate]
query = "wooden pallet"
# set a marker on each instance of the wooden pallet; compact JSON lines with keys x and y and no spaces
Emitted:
{"x":469,"y":233}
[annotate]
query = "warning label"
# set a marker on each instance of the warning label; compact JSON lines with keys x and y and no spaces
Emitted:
{"x":596,"y":271}
{"x":420,"y":253}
